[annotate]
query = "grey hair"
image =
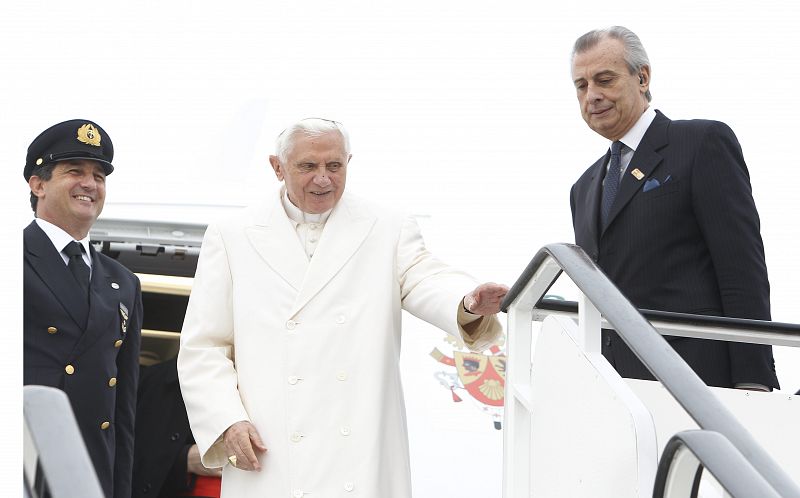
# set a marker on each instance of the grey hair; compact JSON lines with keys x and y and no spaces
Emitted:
{"x":310,"y":127}
{"x":635,"y":54}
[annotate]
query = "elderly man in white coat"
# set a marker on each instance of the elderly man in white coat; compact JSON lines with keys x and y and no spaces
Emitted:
{"x":290,"y":347}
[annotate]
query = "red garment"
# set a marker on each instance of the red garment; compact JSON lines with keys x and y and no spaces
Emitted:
{"x":205,"y":487}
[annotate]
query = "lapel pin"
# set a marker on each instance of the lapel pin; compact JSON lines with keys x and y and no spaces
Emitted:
{"x":637,"y":174}
{"x":114,"y":285}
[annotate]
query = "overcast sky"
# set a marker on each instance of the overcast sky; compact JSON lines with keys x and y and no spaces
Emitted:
{"x":459,"y":111}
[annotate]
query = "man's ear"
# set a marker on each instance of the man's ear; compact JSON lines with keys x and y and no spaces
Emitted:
{"x":37,"y":185}
{"x":644,"y":77}
{"x":276,"y":166}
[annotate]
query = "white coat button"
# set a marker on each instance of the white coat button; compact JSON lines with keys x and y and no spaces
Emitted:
{"x":296,"y":437}
{"x":341,"y":376}
{"x":297,"y":493}
{"x":293,"y":380}
{"x":345,"y":431}
{"x":349,"y":486}
{"x":312,"y":239}
{"x":291,"y":324}
{"x":340,"y":319}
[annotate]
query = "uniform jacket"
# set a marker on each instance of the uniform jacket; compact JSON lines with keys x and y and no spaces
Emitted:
{"x":685,"y":237}
{"x":308,"y":350}
{"x":99,"y":340}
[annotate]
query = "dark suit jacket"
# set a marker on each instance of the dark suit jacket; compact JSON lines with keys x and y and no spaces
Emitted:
{"x":162,"y":434}
{"x":99,"y":339}
{"x":691,"y":245}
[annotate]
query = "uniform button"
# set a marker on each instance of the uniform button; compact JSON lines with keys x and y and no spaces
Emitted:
{"x":174,"y":436}
{"x":349,"y":486}
{"x":105,"y":425}
{"x":341,"y":376}
{"x":291,"y":324}
{"x":297,"y":493}
{"x":293,"y":380}
{"x":147,"y":487}
{"x":69,"y":369}
{"x":118,"y":343}
{"x":112,"y":382}
{"x":340,"y":319}
{"x":312,"y":239}
{"x":296,"y":437}
{"x":345,"y":431}
{"x":608,"y":341}
{"x":52,"y":330}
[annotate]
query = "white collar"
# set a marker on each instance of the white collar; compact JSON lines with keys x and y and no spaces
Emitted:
{"x":298,"y":216}
{"x":637,"y":131}
{"x":59,"y":237}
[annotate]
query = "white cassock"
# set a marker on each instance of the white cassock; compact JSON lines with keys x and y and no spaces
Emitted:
{"x":307,"y":349}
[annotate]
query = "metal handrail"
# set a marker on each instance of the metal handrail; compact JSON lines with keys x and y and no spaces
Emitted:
{"x":688,"y":453}
{"x":652,"y":350}
{"x":698,"y":326}
{"x":55,"y":460}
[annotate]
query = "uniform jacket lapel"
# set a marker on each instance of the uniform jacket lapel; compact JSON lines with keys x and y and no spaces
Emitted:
{"x":345,"y":231}
{"x":46,"y":261}
{"x":104,"y":305}
{"x":274,"y":238}
{"x":646,"y":159}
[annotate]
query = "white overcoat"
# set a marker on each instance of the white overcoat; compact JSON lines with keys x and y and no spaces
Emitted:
{"x":308,"y":350}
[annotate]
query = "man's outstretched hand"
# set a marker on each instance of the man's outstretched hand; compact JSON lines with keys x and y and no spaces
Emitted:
{"x":485,"y":299}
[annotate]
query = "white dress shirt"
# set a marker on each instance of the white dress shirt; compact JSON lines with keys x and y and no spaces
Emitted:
{"x":60,"y":239}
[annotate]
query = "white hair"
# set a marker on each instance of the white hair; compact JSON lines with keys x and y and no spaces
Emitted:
{"x":310,"y":127}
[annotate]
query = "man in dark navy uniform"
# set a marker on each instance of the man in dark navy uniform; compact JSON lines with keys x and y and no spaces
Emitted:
{"x":83,"y":310}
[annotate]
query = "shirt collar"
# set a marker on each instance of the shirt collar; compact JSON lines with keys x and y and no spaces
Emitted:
{"x":637,"y":131}
{"x":59,"y":237}
{"x":298,"y":216}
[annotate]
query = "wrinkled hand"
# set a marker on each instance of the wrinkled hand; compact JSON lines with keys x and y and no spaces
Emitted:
{"x":242,"y":439}
{"x":486,"y":298}
{"x":195,"y":466}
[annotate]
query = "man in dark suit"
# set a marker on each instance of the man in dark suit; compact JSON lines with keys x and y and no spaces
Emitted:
{"x":83,"y":310}
{"x":166,"y":461}
{"x":668,"y":213}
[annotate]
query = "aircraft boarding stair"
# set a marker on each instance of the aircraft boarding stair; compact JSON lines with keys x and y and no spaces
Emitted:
{"x":575,"y":428}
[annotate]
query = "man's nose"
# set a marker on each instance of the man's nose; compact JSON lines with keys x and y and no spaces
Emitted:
{"x":88,"y":182}
{"x":593,"y":93}
{"x":322,"y":179}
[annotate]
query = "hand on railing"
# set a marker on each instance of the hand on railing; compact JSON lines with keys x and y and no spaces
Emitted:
{"x":485,"y":299}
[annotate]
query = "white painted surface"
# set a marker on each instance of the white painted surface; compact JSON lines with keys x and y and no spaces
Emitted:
{"x":770,"y":417}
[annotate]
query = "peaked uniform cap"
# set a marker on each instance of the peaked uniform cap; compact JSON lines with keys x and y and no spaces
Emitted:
{"x":73,"y":139}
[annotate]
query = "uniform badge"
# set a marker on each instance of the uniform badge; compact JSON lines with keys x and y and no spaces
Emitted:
{"x":123,"y":313}
{"x":637,"y":174}
{"x":89,"y":135}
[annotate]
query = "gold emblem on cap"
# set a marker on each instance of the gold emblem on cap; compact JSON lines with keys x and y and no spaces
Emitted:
{"x":88,"y":134}
{"x":637,"y":174}
{"x":39,"y":161}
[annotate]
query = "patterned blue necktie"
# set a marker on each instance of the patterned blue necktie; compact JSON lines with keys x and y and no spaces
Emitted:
{"x":611,"y":183}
